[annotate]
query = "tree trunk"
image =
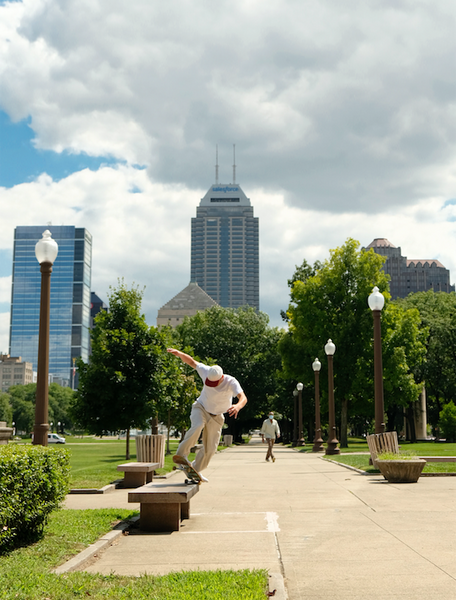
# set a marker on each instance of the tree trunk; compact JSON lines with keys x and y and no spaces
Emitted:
{"x":127,"y":449}
{"x":168,"y":451}
{"x":344,"y":424}
{"x":411,"y":424}
{"x":154,"y":425}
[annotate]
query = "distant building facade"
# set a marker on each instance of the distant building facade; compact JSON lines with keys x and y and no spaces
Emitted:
{"x":13,"y":371}
{"x":411,"y":275}
{"x":225,"y":247}
{"x":186,"y":303}
{"x":70,"y":299}
{"x":96,"y":305}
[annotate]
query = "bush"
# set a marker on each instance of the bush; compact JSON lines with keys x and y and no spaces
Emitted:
{"x":447,"y":421}
{"x":33,"y":482}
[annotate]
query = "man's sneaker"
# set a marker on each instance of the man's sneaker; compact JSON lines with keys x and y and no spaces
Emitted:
{"x":273,"y":459}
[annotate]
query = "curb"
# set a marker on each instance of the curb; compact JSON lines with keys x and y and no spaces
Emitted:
{"x":349,"y":467}
{"x":276,"y":581}
{"x":105,"y":489}
{"x":361,"y":472}
{"x":107,"y":539}
{"x":277,"y":586}
{"x":113,"y":486}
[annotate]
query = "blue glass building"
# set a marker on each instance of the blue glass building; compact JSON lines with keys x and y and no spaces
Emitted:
{"x":70,"y":299}
{"x":225,"y":247}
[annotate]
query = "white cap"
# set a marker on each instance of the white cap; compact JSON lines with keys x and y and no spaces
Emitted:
{"x":214,"y":376}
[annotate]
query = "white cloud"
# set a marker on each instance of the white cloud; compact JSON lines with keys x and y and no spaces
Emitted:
{"x":343,"y":116}
{"x":348,"y":105}
{"x":145,"y":237}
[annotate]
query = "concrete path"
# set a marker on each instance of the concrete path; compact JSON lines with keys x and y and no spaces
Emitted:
{"x":331,"y":532}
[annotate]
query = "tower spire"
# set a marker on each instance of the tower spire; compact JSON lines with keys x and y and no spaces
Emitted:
{"x":216,"y":164}
{"x":234,"y":163}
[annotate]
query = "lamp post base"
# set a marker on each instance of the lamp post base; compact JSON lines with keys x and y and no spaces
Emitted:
{"x":332,"y":448}
{"x":40,"y":432}
{"x":301,"y":442}
{"x":318,"y":445}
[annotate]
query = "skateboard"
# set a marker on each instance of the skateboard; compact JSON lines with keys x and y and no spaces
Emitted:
{"x":184,"y":465}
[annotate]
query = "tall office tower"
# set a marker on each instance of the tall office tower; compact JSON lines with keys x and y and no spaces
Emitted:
{"x":70,"y":299}
{"x":225,"y":254}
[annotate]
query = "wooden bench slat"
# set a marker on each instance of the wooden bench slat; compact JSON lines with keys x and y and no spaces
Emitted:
{"x":382,"y":442}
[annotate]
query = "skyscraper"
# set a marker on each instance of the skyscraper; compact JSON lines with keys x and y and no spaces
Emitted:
{"x":70,"y":298}
{"x":225,"y":247}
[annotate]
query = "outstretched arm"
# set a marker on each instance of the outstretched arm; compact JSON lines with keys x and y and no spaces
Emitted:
{"x":186,"y":358}
{"x":235,"y":408}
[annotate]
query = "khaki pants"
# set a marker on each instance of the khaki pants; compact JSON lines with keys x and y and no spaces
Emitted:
{"x":201,"y":420}
{"x":270,"y":443}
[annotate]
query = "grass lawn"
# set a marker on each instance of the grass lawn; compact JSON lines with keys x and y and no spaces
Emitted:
{"x":94,"y":461}
{"x":25,"y":573}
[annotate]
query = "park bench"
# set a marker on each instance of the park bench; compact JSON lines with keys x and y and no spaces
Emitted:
{"x":382,"y":442}
{"x":163,"y":505}
{"x":137,"y":473}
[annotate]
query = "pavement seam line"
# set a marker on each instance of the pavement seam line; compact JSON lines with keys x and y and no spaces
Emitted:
{"x":361,"y":500}
{"x":410,"y":548}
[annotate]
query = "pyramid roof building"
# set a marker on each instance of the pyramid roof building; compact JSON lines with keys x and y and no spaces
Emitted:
{"x":185,"y":304}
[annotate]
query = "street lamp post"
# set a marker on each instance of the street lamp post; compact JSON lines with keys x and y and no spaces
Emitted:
{"x":331,"y":448}
{"x":46,"y":252}
{"x":295,"y":421}
{"x":300,"y":440}
{"x":318,"y":441}
{"x":376,"y":302}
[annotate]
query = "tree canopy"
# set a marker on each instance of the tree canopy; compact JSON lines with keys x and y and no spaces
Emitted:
{"x":329,"y":301}
{"x":129,"y":375}
{"x":244,"y":345}
{"x":438,"y":314}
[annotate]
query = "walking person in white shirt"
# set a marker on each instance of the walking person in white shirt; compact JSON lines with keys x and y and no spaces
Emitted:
{"x":207,"y":412}
{"x":270,"y":430}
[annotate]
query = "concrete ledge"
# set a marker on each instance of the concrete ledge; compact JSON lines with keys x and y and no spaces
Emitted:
{"x":107,"y":539}
{"x":361,"y":472}
{"x":439,"y":459}
{"x":107,"y":488}
{"x":277,"y":586}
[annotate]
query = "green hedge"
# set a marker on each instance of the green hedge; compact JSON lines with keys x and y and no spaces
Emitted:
{"x":33,"y":482}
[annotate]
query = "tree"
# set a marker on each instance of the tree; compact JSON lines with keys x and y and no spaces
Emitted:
{"x":125,"y":381}
{"x":6,"y":411}
{"x":60,"y":399}
{"x":448,"y":421}
{"x":23,"y":399}
{"x":438,"y":314}
{"x":404,"y":352}
{"x":242,"y":343}
{"x":330,"y":302}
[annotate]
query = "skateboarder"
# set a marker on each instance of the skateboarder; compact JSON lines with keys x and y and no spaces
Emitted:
{"x":207,"y":411}
{"x":270,"y":430}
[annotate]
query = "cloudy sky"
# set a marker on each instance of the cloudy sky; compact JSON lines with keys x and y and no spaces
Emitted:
{"x":343,"y":115}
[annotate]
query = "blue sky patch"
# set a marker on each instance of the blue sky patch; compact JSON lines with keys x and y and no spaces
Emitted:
{"x":21,"y":162}
{"x":6,"y":260}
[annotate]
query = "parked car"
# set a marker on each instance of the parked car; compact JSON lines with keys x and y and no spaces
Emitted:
{"x":54,"y":438}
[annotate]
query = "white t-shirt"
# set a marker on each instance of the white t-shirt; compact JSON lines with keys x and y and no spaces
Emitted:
{"x":217,"y":400}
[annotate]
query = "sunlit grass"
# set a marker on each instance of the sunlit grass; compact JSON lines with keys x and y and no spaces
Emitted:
{"x":25,"y":573}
